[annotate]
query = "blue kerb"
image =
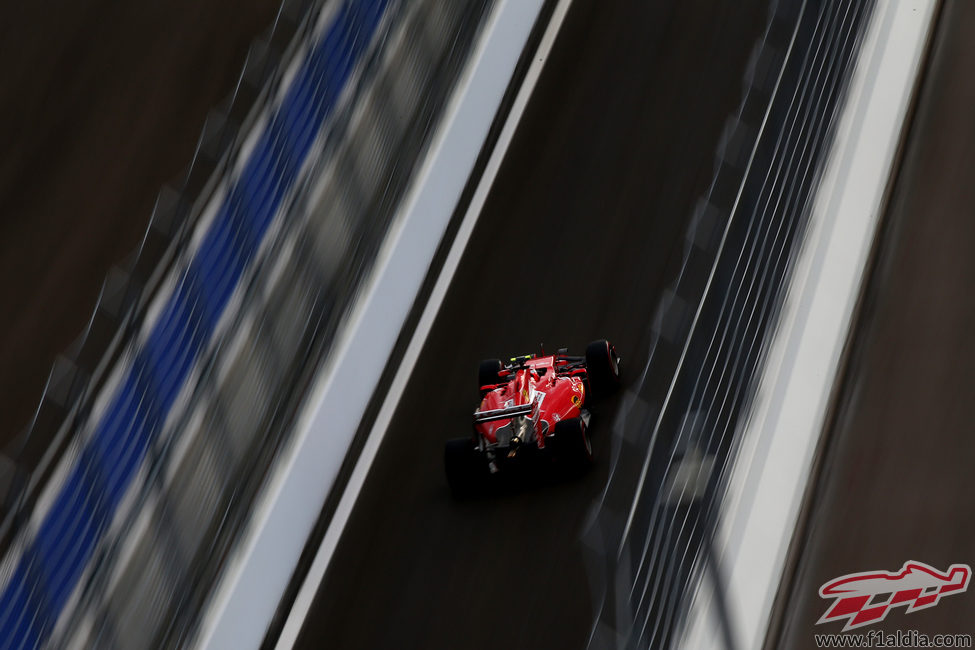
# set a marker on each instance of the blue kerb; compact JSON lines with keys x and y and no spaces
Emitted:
{"x":18,"y":608}
{"x":69,"y":538}
{"x":50,"y":567}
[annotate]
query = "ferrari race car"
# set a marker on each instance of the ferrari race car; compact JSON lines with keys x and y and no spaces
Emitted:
{"x":533,"y":408}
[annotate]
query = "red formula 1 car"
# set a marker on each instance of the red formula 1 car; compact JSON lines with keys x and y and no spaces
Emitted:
{"x":534,"y":408}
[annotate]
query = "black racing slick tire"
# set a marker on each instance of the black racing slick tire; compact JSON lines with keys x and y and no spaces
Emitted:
{"x":487,"y":374}
{"x":465,"y":468}
{"x":602,"y":368}
{"x":572,"y":447}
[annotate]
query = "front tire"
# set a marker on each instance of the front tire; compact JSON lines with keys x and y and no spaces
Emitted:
{"x":602,"y":368}
{"x":487,"y":374}
{"x":572,"y":447}
{"x":466,"y":470}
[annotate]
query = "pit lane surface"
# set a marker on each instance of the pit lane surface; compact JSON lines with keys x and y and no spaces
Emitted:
{"x":101,"y":104}
{"x":574,"y":244}
{"x":897,"y":481}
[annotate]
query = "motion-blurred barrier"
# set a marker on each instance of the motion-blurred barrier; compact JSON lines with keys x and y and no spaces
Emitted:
{"x":682,"y":420}
{"x":81,"y":371}
{"x":142,"y":512}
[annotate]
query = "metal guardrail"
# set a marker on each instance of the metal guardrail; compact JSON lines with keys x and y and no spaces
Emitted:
{"x":147,"y":518}
{"x":649,"y":546}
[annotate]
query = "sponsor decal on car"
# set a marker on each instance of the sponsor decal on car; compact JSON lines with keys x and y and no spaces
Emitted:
{"x":579,"y":395}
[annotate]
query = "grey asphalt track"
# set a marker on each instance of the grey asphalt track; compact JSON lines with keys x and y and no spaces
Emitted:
{"x":897,"y":481}
{"x":575,"y":243}
{"x":102,"y":102}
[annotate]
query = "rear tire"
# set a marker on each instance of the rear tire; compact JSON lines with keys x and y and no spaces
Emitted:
{"x":602,"y":368}
{"x":572,"y":447}
{"x":487,"y":374}
{"x":466,"y":470}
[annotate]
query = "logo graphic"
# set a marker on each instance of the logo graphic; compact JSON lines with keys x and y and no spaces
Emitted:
{"x":865,"y":598}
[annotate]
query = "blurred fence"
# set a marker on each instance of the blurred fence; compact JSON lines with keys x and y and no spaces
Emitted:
{"x":121,"y":531}
{"x":676,"y":438}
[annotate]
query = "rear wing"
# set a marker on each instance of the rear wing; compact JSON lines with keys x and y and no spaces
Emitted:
{"x":503,"y":414}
